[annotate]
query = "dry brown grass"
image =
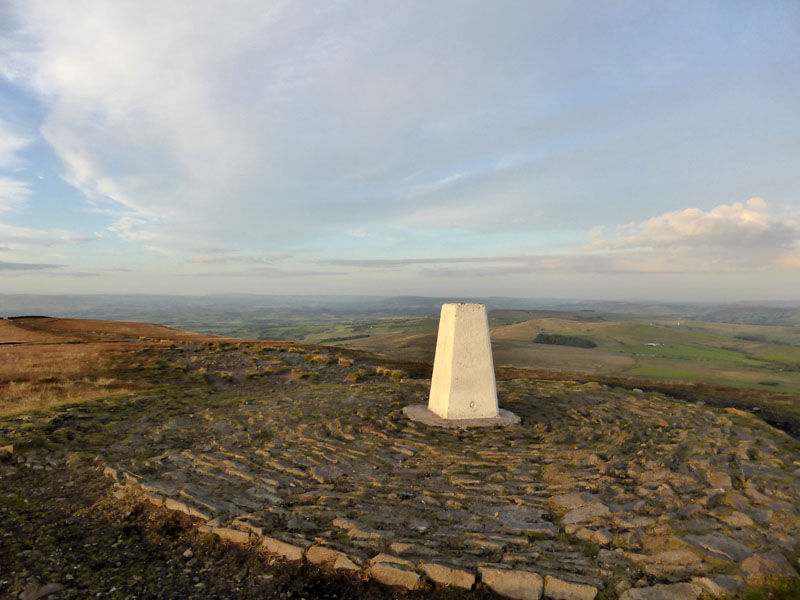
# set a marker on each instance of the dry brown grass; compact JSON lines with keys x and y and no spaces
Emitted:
{"x":103,"y":330}
{"x":14,"y":332}
{"x":46,"y":361}
{"x":38,"y":375}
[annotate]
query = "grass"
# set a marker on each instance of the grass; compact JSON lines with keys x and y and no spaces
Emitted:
{"x":41,"y":375}
{"x":692,"y":351}
{"x":667,"y":372}
{"x":45,"y":362}
{"x":772,"y":588}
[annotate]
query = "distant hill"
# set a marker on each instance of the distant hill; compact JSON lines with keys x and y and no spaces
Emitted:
{"x":144,"y":307}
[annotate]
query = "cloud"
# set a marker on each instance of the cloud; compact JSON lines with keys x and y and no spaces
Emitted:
{"x":11,"y":146}
{"x":212,"y":250}
{"x":78,"y":274}
{"x":21,"y":267}
{"x":11,"y":234}
{"x":732,"y":227}
{"x":197,"y":119}
{"x":13,"y":191}
{"x":343,"y":131}
{"x":742,"y":236}
{"x":264,"y":272}
{"x":254,"y":260}
{"x":379,"y":263}
{"x":739,"y":237}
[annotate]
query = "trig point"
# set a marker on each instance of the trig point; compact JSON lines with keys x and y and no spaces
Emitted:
{"x":463,"y":389}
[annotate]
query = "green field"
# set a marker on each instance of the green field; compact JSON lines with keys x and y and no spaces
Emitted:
{"x":750,"y":356}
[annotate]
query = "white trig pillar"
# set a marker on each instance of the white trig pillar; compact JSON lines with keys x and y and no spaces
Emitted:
{"x":463,"y":384}
{"x":463,"y":388}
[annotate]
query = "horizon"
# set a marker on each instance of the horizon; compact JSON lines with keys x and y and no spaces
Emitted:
{"x":542,"y":300}
{"x":596,"y":152}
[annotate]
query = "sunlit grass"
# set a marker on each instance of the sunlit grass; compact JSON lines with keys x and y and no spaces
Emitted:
{"x":39,"y":375}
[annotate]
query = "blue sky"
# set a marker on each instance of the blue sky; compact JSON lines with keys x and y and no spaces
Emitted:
{"x":606,"y":149}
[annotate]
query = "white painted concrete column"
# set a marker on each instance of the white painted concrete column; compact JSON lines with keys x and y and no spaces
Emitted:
{"x":463,"y":384}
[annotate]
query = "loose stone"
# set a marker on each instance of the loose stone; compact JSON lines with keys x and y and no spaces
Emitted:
{"x":572,"y":501}
{"x":518,"y":585}
{"x":232,"y":535}
{"x":737,"y":519}
{"x":586,"y":513}
{"x":719,"y":480}
{"x":675,"y":591}
{"x":388,"y":558}
{"x":557,"y":589}
{"x":395,"y":574}
{"x":322,"y":555}
{"x":450,"y":576}
{"x":719,"y":586}
{"x":281,"y":548}
{"x":345,"y":563}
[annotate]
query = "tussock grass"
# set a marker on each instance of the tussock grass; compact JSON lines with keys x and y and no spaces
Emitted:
{"x":37,"y":376}
{"x":393,"y":374}
{"x":320,"y":359}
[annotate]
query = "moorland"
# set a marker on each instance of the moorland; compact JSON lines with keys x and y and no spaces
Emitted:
{"x":658,"y":394}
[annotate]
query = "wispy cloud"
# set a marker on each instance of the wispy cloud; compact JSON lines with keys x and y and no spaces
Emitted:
{"x":11,"y":146}
{"x":264,"y":272}
{"x":212,"y":250}
{"x":266,"y":259}
{"x":439,"y":138}
{"x":728,"y":238}
{"x":13,"y":193}
{"x":13,"y":190}
{"x":22,"y":267}
{"x":31,"y":236}
{"x":380,"y":263}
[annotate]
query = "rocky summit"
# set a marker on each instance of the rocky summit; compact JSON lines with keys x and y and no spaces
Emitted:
{"x":597,"y":492}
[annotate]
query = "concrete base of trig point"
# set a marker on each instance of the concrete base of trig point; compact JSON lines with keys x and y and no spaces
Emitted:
{"x":463,"y":388}
{"x":420,"y":413}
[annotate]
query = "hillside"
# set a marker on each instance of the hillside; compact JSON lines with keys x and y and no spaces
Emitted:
{"x":724,"y":354}
{"x":45,"y":360}
{"x":300,"y":457}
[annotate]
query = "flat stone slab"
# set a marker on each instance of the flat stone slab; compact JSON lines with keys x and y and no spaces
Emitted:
{"x":720,"y":546}
{"x":768,"y":564}
{"x":421,"y":414}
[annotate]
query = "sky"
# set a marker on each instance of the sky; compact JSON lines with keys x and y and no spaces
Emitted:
{"x":609,"y":149}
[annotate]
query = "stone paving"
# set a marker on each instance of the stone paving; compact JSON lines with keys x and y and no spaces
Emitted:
{"x":596,"y":491}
